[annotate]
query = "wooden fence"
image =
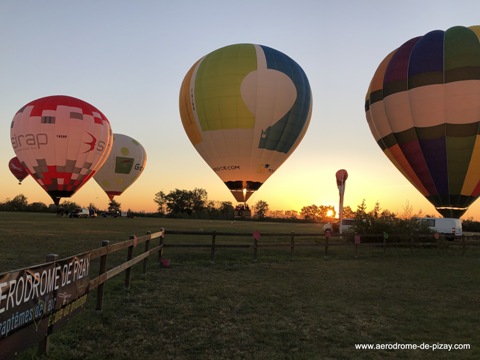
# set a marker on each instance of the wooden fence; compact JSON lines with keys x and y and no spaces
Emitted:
{"x":325,"y":241}
{"x":130,"y":244}
{"x":58,"y":282}
{"x":255,"y":241}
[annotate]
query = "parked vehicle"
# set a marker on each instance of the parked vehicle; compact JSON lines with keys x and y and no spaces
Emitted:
{"x":79,"y":213}
{"x":111,"y":213}
{"x":450,"y":227}
{"x":348,"y":225}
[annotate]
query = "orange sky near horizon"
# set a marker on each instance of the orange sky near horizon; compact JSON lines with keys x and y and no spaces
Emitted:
{"x":395,"y":194}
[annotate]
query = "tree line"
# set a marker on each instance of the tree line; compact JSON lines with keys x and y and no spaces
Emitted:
{"x":195,"y":204}
{"x":20,"y":203}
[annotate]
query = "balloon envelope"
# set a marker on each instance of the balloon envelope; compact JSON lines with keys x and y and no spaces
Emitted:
{"x":123,"y":166}
{"x":423,"y":109}
{"x":17,"y":169}
{"x":62,"y":141}
{"x":245,"y":108}
{"x":341,"y":176}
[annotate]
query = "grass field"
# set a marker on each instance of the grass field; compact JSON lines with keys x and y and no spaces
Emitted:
{"x":310,"y":307}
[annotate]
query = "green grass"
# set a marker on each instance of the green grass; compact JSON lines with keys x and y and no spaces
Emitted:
{"x":274,"y":308}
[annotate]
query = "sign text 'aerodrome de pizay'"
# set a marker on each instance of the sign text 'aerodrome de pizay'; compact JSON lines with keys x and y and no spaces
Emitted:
{"x":33,"y":301}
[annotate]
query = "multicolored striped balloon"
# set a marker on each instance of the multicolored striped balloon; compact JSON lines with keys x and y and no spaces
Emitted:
{"x":423,"y":109}
{"x":245,"y":108}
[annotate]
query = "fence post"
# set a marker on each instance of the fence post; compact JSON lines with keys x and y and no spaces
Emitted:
{"x":292,"y":244}
{"x":328,"y":233}
{"x":255,"y":248}
{"x":160,"y":245}
{"x":44,"y":344}
{"x":147,"y":247}
{"x":437,"y":239}
{"x":357,"y":243}
{"x":463,"y":245}
{"x":128,"y":270}
{"x":212,"y":250}
{"x":411,"y":244}
{"x":103,"y":268}
{"x":385,"y":237}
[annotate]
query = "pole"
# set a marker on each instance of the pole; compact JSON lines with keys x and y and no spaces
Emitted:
{"x":212,"y":248}
{"x":340,"y":209}
{"x":341,"y":176}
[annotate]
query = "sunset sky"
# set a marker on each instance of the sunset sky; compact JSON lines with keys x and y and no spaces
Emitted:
{"x":128,"y":59}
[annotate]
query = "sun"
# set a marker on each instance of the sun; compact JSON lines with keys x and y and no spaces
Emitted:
{"x":330,"y":213}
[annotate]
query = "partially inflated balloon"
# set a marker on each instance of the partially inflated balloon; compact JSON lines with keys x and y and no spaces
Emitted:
{"x":245,"y":108}
{"x":423,"y":108}
{"x":124,"y":165}
{"x":62,"y":141}
{"x":17,"y":169}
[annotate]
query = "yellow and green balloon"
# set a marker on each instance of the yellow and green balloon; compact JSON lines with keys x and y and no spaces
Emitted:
{"x":123,"y":166}
{"x":245,"y":108}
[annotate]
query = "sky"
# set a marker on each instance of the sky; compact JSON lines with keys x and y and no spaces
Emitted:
{"x":128,"y":59}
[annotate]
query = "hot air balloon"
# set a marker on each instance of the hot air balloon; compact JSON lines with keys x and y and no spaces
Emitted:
{"x":123,"y":166}
{"x":423,"y":109}
{"x":62,"y":141}
{"x":17,"y":169}
{"x":245,"y":108}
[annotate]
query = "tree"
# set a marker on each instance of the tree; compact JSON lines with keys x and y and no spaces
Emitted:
{"x":68,"y":206}
{"x":323,"y":212}
{"x":37,"y":207}
{"x":361,"y":210}
{"x":182,"y":202}
{"x":310,"y":213}
{"x":348,"y":212}
{"x":226,"y":209}
{"x":376,"y":210}
{"x":92,"y":206}
{"x":261,"y":209}
{"x":160,"y":200}
{"x":276,"y":214}
{"x":114,"y":206}
{"x":179,"y":202}
{"x":291,"y":214}
{"x":378,"y":221}
{"x":198,"y":200}
{"x":19,"y":203}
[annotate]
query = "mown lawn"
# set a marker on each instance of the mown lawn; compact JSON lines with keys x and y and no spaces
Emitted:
{"x":310,"y":307}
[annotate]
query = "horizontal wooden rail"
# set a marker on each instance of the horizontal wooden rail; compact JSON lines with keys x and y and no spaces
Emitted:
{"x":106,"y":249}
{"x":207,"y":245}
{"x":336,"y":240}
{"x":95,"y":253}
{"x":94,"y":283}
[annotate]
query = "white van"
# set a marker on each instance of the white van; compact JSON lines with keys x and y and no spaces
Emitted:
{"x":450,"y":227}
{"x":347,"y":226}
{"x":80,"y":213}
